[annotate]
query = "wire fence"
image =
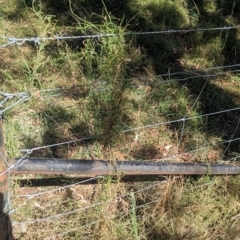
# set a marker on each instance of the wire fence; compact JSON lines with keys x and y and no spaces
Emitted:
{"x":46,"y":215}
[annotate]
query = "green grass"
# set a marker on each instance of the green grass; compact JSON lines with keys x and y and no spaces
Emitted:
{"x":104,"y":86}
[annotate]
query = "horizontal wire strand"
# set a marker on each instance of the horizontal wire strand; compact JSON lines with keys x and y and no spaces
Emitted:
{"x":92,"y":223}
{"x":179,"y":120}
{"x":85,"y":208}
{"x":37,"y":40}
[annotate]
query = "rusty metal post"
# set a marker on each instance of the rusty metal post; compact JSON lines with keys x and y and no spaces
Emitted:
{"x":5,"y":225}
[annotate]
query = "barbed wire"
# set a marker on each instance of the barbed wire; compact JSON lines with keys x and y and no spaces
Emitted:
{"x":4,"y":159}
{"x":14,"y":165}
{"x":31,"y":196}
{"x":110,"y":217}
{"x":63,"y":91}
{"x":62,"y":188}
{"x":183,"y":79}
{"x":22,"y":97}
{"x":171,"y":157}
{"x":117,"y":215}
{"x":171,"y":77}
{"x":29,"y":151}
{"x":202,"y":70}
{"x":141,"y":81}
{"x":88,"y":207}
{"x":179,"y":120}
{"x":234,"y":158}
{"x":37,"y":40}
{"x":133,"y":208}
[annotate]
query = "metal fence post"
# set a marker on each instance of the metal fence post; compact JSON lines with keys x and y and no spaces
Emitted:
{"x":5,"y":224}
